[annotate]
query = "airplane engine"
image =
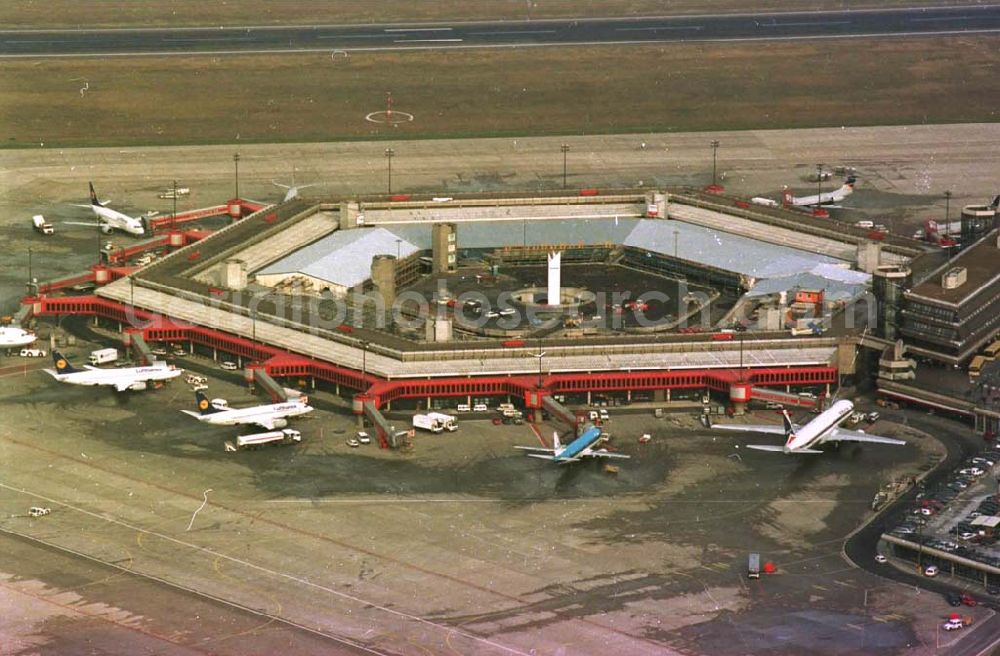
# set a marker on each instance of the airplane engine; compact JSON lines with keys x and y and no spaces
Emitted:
{"x":106,"y":228}
{"x":138,"y":386}
{"x":280,"y":423}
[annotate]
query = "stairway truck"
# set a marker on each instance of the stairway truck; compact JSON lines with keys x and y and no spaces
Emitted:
{"x":257,"y":440}
{"x":448,"y":422}
{"x":103,"y":356}
{"x":427,"y":423}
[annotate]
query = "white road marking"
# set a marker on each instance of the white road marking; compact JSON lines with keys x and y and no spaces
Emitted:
{"x":657,"y":29}
{"x":418,"y":29}
{"x":804,"y":23}
{"x":513,"y":32}
{"x":427,"y":41}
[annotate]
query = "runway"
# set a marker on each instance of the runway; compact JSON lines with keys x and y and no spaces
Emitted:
{"x":597,"y":31}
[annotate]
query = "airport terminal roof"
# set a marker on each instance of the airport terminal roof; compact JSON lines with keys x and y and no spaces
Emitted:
{"x":773,"y":266}
{"x":980,"y":263}
{"x":342,"y":258}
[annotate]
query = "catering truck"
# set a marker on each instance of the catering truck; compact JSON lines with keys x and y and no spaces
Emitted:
{"x":103,"y":356}
{"x":41,"y":225}
{"x":448,"y":422}
{"x":257,"y":440}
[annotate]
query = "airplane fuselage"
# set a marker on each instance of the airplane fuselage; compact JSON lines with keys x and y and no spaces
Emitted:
{"x":256,"y":415}
{"x":117,"y":221}
{"x":15,"y":337}
{"x":117,"y":377}
{"x":813,"y":433}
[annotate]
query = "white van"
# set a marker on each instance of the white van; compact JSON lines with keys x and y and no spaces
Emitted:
{"x":463,"y":407}
{"x":480,"y":407}
{"x":865,"y":224}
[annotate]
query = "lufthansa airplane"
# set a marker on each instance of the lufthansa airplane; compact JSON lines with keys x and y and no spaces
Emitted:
{"x":111,"y":219}
{"x":270,"y":416}
{"x":122,"y":379}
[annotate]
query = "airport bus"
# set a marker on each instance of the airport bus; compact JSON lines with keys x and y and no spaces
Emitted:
{"x":976,"y":367}
{"x":992,"y":350}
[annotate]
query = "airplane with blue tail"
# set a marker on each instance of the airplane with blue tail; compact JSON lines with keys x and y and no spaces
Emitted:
{"x":581,"y":447}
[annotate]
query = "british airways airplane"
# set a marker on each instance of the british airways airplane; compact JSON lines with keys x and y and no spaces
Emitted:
{"x":805,"y":438}
{"x":581,"y":447}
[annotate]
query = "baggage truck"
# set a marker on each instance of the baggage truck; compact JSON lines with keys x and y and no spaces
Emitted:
{"x":427,"y":423}
{"x":103,"y":356}
{"x":257,"y":440}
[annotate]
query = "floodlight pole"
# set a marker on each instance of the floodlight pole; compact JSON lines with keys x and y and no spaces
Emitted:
{"x":819,"y":185}
{"x":173,"y":218}
{"x":565,"y":149}
{"x":947,"y":213}
{"x":715,"y":148}
{"x":389,"y":152}
{"x":236,"y":165}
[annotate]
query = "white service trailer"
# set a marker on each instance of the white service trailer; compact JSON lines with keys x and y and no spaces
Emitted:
{"x":428,"y":423}
{"x":257,"y":440}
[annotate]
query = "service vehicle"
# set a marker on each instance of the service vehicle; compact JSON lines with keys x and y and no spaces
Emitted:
{"x":363,"y":438}
{"x":270,"y":438}
{"x":463,"y":407}
{"x":229,"y":365}
{"x":38,"y":511}
{"x":448,"y":422}
{"x":953,"y":625}
{"x":753,"y":566}
{"x":931,"y":570}
{"x":32,"y":353}
{"x":427,"y":423}
{"x":645,"y":438}
{"x":603,"y":414}
{"x":880,"y":558}
{"x":480,"y":407}
{"x":219,"y":404}
{"x":103,"y":356}
{"x":41,"y":225}
{"x":353,"y":443}
{"x":194,"y":379}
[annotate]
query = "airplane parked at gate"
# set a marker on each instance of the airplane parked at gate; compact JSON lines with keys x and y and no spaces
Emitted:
{"x":827,"y":198}
{"x":804,"y":439}
{"x":270,"y":416}
{"x":110,"y":219}
{"x":11,"y":337}
{"x":581,"y":447}
{"x":124,"y":378}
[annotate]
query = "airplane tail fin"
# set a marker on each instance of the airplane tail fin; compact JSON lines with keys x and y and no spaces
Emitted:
{"x":62,"y":364}
{"x":93,"y":196}
{"x":786,"y":198}
{"x":789,"y":428}
{"x":204,"y":406}
{"x":555,"y":442}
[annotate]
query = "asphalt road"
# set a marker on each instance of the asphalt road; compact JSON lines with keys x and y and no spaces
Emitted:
{"x":733,"y":27}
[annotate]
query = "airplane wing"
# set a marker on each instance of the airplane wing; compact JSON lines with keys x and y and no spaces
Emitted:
{"x":604,"y":453}
{"x":267,"y":423}
{"x":535,"y":449}
{"x":779,"y":449}
{"x":89,"y":224}
{"x":541,"y":456}
{"x":844,"y":435}
{"x":52,"y":372}
{"x":748,"y":428}
{"x":192,"y":413}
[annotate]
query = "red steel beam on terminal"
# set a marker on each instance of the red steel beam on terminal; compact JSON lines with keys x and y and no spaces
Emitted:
{"x":162,"y":222}
{"x":282,"y":363}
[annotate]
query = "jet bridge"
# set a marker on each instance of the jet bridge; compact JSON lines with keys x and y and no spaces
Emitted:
{"x":135,"y":341}
{"x":270,"y":385}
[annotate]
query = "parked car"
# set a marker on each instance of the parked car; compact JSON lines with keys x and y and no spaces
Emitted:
{"x":971,"y":471}
{"x":953,"y":625}
{"x":969,"y":600}
{"x":880,"y":558}
{"x":931,"y":570}
{"x":953,"y":598}
{"x":353,"y":443}
{"x":229,"y":365}
{"x":363,"y":438}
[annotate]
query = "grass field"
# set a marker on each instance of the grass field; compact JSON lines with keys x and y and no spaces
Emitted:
{"x":36,"y":14}
{"x":661,"y":88}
